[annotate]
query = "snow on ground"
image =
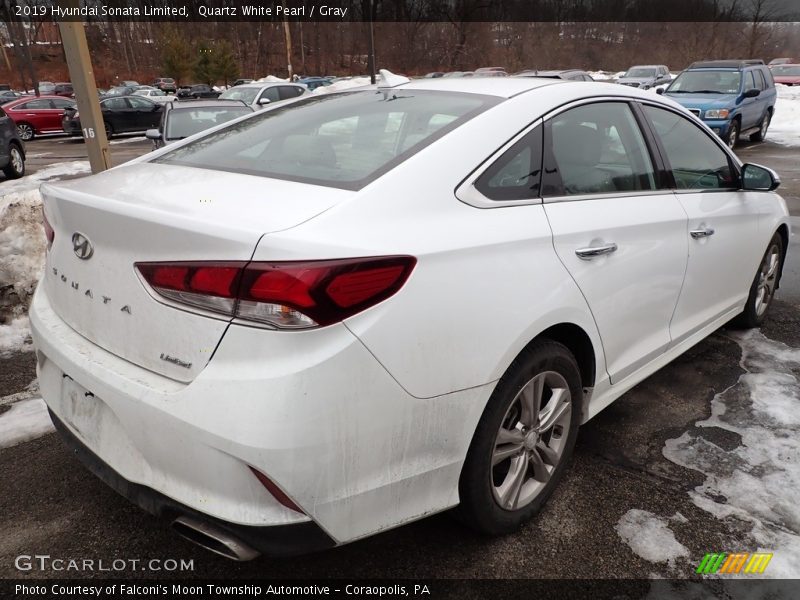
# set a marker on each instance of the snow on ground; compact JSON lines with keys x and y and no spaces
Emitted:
{"x":757,"y":484}
{"x":138,"y":138}
{"x":25,"y":420}
{"x":22,"y":246}
{"x":785,"y":126}
{"x":650,"y":537}
{"x":342,"y":84}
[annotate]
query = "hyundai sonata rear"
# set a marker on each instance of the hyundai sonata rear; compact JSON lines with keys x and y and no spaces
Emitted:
{"x":342,"y":314}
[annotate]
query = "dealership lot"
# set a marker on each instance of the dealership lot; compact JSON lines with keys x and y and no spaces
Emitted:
{"x":51,"y":505}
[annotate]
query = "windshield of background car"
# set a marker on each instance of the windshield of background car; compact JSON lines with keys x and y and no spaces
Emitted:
{"x":706,"y":81}
{"x":790,"y":71}
{"x":343,"y":140}
{"x":640,"y":73}
{"x":246,"y":94}
{"x":183,"y":122}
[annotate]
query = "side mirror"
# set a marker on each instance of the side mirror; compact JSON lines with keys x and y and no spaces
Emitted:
{"x":751,"y":93}
{"x":759,"y":179}
{"x":659,"y":91}
{"x":152,"y":134}
{"x":263,"y":101}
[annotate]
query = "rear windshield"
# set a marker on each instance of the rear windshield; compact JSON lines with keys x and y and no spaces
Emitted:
{"x":343,"y":140}
{"x":183,"y":122}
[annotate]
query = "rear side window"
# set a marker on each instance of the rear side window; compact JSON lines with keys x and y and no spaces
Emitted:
{"x":36,"y":105}
{"x":342,"y":140}
{"x":271,"y":94}
{"x":517,"y":174}
{"x":597,"y":149}
{"x":697,"y":162}
{"x":289,"y":91}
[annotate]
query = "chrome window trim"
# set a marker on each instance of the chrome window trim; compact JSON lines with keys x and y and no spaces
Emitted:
{"x":466,"y":191}
{"x":606,"y":196}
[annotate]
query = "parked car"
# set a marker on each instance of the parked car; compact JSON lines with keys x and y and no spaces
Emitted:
{"x":336,"y":266}
{"x":781,"y":61}
{"x":179,"y":120}
{"x":567,"y":74}
{"x":733,"y":97}
{"x":129,"y":83}
{"x":166,"y":85}
{"x":155,"y":95}
{"x":121,"y":90}
{"x":121,"y":114}
{"x":46,"y":88}
{"x":435,"y":74}
{"x":786,"y":74}
{"x":35,"y":116}
{"x":198,"y":90}
{"x":258,"y":95}
{"x":312,"y":83}
{"x":9,"y":95}
{"x":646,"y":76}
{"x":64,"y":89}
{"x":12,"y":150}
{"x":241,"y":82}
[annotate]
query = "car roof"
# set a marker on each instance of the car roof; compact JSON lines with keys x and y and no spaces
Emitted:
{"x":203,"y":103}
{"x":726,"y":64}
{"x":645,"y":67}
{"x":22,"y":99}
{"x":503,"y":87}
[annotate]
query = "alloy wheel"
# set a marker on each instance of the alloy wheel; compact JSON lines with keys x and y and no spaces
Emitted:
{"x":17,"y":163}
{"x":768,"y":276}
{"x":531,"y":440}
{"x":733,"y":136}
{"x":765,"y":126}
{"x":25,"y":132}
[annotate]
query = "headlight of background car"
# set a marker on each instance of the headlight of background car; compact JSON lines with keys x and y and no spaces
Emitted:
{"x":722,"y":113}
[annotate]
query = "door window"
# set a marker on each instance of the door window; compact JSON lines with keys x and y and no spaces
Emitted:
{"x":697,"y":161}
{"x":40,"y":104}
{"x":517,"y":174}
{"x":289,"y":91}
{"x":114,"y":104}
{"x":749,"y":81}
{"x":140,"y":103}
{"x":596,"y":149}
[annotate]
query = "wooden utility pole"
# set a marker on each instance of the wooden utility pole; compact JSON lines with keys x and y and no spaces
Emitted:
{"x":73,"y":37}
{"x":288,"y":35}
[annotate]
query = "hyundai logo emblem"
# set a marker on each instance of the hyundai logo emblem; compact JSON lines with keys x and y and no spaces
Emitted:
{"x":82,"y":246}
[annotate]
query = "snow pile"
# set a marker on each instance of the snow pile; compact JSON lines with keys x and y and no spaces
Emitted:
{"x":605,"y":75}
{"x":342,"y":84}
{"x":785,"y":126}
{"x":26,"y":420}
{"x":757,"y":483}
{"x":650,"y":537}
{"x":22,"y":246}
{"x":271,"y":79}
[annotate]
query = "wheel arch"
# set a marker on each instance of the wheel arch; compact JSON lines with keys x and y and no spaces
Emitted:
{"x":783,"y":231}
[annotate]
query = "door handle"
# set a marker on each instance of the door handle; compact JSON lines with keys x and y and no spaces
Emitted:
{"x":701,"y":233}
{"x":594,"y":251}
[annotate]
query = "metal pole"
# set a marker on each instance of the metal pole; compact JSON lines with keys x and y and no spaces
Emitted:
{"x":288,"y":35}
{"x":73,"y":37}
{"x":371,"y":55}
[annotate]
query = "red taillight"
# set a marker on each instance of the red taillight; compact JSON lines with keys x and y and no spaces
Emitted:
{"x":287,"y":295}
{"x":49,"y":232}
{"x":276,"y":492}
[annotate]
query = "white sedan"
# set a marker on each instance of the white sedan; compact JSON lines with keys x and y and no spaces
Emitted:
{"x":339,"y":315}
{"x":155,"y":95}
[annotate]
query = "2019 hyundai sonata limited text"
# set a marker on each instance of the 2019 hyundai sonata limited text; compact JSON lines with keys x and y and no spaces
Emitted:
{"x":344,"y":313}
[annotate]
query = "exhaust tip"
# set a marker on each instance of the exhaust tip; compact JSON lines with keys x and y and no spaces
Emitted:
{"x":213,"y":539}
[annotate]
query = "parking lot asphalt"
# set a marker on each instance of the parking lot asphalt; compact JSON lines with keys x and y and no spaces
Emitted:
{"x":51,"y":505}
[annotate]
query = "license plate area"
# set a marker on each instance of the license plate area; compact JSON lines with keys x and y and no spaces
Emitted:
{"x":81,"y":409}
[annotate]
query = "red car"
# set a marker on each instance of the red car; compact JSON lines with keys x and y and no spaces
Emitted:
{"x":786,"y":74}
{"x":34,"y":116}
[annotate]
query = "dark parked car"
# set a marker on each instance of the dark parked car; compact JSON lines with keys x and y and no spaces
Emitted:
{"x":181,"y":119}
{"x":5,"y":87}
{"x":12,"y":150}
{"x":121,"y":114}
{"x":313,"y":83}
{"x":34,"y":116}
{"x":732,"y":97}
{"x":166,"y":85}
{"x":64,"y":89}
{"x":9,"y":95}
{"x":241,"y":82}
{"x":198,"y":90}
{"x":568,"y":74}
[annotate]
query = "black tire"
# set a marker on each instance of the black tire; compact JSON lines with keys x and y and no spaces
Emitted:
{"x":733,"y":134}
{"x":16,"y":163}
{"x":480,"y":508}
{"x":758,"y":302}
{"x":109,"y":129}
{"x":25,"y":132}
{"x":761,"y":134}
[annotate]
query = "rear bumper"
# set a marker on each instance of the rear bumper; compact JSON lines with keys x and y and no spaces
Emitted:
{"x":277,"y":540}
{"x":314,"y":411}
{"x":72,"y":127}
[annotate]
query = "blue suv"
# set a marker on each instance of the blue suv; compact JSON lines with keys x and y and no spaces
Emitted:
{"x":732,"y":97}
